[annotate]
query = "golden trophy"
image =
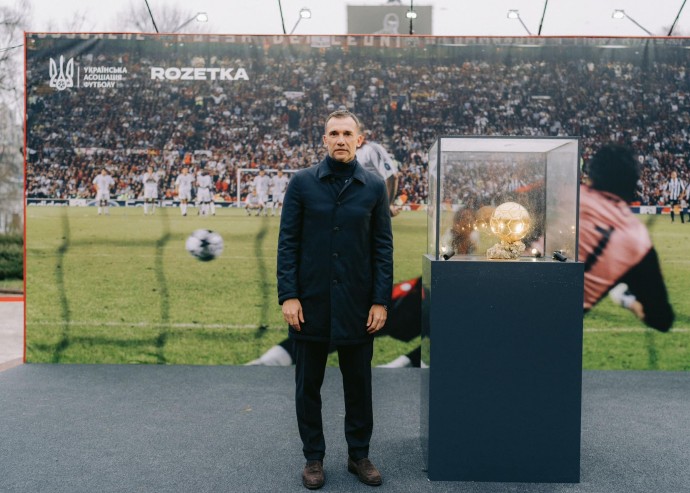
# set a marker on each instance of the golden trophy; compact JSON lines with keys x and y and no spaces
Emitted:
{"x":510,"y":222}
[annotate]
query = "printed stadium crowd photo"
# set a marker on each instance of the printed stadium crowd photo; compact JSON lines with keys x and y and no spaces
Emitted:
{"x":273,"y":119}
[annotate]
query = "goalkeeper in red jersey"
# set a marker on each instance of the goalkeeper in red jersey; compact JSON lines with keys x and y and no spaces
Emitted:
{"x":615,"y":246}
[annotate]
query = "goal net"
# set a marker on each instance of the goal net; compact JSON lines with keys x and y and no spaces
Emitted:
{"x":245,"y":180}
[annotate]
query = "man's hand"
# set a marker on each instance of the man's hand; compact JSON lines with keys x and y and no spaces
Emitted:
{"x":292,"y":313}
{"x":377,"y":318}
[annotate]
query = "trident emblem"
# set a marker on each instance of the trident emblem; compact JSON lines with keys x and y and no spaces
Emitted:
{"x":63,"y":79}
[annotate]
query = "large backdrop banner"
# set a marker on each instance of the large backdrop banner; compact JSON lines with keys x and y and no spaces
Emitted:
{"x":115,"y":284}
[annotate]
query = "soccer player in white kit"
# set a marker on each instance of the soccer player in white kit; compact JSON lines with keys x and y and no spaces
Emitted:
{"x":279,"y":183}
{"x":150,"y":181}
{"x":253,"y":202}
{"x":103,"y":183}
{"x":204,"y":183}
{"x":374,"y":157}
{"x":183,"y":185}
{"x":261,"y":184}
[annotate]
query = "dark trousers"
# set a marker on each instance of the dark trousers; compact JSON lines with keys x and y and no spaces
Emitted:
{"x":676,"y":203}
{"x":355,"y":367}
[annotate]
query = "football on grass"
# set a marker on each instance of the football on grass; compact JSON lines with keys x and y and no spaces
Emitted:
{"x":204,"y":244}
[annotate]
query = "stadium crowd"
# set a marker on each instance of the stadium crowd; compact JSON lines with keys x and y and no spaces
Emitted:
{"x":274,"y":119}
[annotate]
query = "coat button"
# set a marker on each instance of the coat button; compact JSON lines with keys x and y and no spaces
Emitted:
{"x":337,"y":228}
{"x":337,"y":203}
{"x":335,"y":255}
{"x":335,"y":281}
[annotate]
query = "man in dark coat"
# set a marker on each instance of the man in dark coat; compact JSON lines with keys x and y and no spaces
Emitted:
{"x":335,"y":274}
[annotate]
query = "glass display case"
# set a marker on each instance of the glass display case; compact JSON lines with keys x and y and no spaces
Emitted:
{"x":501,"y":373}
{"x":513,"y":198}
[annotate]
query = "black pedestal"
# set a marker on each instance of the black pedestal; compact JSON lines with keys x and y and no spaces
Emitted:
{"x":501,"y":397}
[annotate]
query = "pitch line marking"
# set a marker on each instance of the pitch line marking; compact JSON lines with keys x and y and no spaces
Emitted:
{"x":157,"y":325}
{"x":167,"y":256}
{"x":189,"y":325}
{"x":634,"y":329}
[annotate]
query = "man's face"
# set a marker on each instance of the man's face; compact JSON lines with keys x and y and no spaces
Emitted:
{"x":342,"y":139}
{"x":674,"y":174}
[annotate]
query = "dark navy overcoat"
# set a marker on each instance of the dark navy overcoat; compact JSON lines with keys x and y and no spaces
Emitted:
{"x":335,"y":252}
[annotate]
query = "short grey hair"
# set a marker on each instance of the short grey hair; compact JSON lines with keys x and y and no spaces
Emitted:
{"x":343,"y":114}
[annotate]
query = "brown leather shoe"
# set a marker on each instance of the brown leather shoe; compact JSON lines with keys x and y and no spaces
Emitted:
{"x":312,"y":476}
{"x":365,"y":471}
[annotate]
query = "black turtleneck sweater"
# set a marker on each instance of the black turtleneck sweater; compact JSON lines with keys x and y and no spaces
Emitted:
{"x":342,"y":174}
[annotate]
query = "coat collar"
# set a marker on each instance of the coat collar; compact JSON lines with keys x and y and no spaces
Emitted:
{"x":324,"y":171}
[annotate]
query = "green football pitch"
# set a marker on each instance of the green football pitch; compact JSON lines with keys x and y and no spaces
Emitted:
{"x":122,"y":289}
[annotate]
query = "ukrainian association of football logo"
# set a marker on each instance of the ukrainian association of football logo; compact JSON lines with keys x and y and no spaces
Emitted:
{"x":63,"y":78}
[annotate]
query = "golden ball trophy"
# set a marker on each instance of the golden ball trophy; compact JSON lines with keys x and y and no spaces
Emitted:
{"x":510,"y":222}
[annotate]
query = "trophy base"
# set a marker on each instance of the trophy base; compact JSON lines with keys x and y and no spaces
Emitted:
{"x":506,"y":250}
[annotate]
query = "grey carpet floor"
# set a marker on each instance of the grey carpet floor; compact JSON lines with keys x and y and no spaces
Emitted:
{"x":83,"y":428}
